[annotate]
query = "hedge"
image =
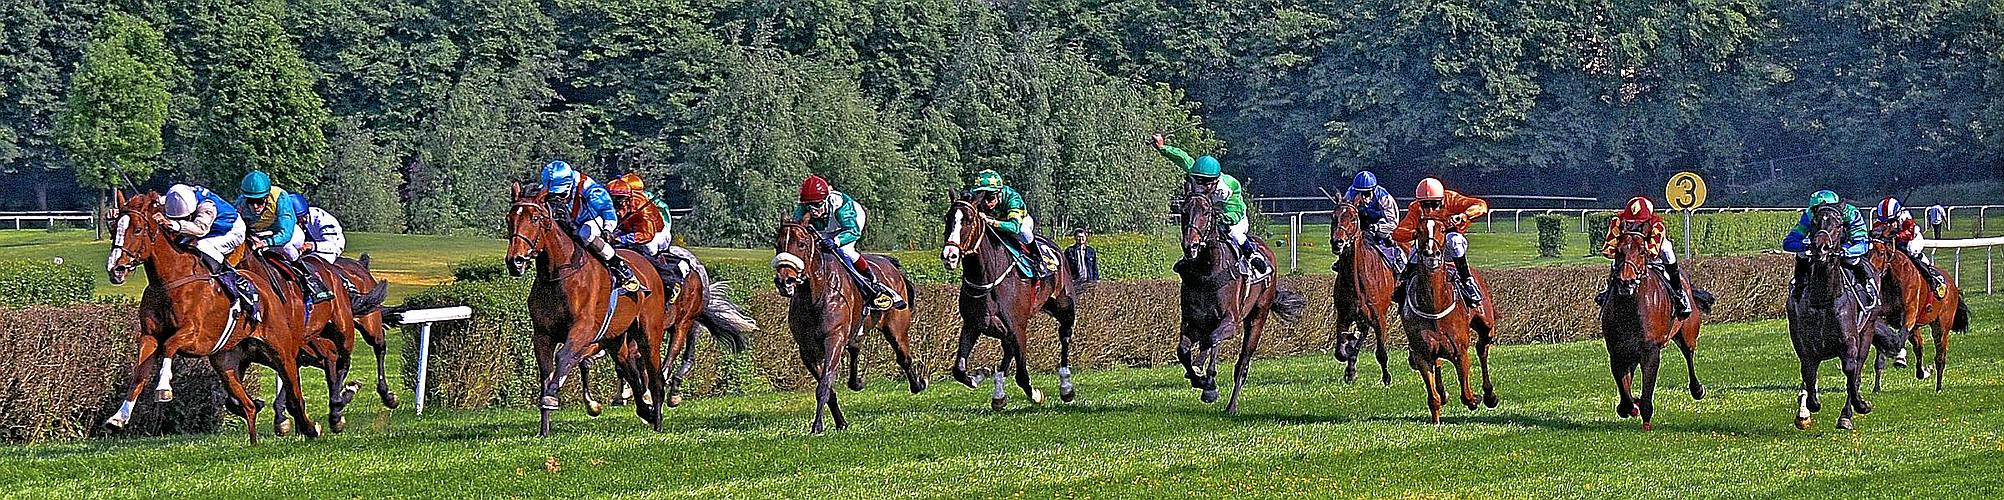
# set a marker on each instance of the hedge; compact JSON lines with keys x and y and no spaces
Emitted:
{"x":1551,"y":235}
{"x":25,"y":282}
{"x":1121,"y":323}
{"x":63,"y":370}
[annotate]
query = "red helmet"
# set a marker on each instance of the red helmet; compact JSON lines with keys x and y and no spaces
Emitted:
{"x":1430,"y":189}
{"x":1638,"y":208}
{"x":814,"y":189}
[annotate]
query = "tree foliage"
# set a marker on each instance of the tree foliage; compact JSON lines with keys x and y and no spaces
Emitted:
{"x":117,"y":103}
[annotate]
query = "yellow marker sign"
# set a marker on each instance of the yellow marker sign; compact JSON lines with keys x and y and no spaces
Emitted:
{"x":1685,"y":191}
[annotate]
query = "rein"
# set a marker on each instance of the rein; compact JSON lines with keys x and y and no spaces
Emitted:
{"x":973,"y":248}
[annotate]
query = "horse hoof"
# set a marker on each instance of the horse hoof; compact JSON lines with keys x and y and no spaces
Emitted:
{"x":1210,"y":396}
{"x":619,"y":402}
{"x":115,"y":423}
{"x":549,"y":403}
{"x":1489,"y":400}
{"x":164,"y":395}
{"x":1471,"y":404}
{"x":389,"y":401}
{"x":337,"y":424}
{"x":1067,"y":395}
{"x":856,"y":384}
{"x":348,"y":391}
{"x":1923,"y":374}
{"x":1350,"y":377}
{"x":1803,"y":423}
{"x":1698,"y":391}
{"x":1386,"y":382}
{"x":920,"y":384}
{"x":310,"y":431}
{"x":593,"y":409}
{"x":283,"y":428}
{"x":1646,"y":427}
{"x":960,"y":375}
{"x":1036,"y":397}
{"x":674,"y":400}
{"x":998,"y":403}
{"x":1845,"y":424}
{"x":1862,"y":407}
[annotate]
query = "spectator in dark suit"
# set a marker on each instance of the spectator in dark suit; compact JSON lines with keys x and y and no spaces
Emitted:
{"x":1085,"y":262}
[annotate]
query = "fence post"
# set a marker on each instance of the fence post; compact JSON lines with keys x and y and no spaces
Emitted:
{"x":1294,"y":243}
{"x":423,"y":362}
{"x":1517,"y":221}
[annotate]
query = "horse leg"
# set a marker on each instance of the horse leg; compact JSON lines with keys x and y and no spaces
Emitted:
{"x":897,"y":335}
{"x":165,"y":391}
{"x":1189,"y":367}
{"x":228,"y":367}
{"x":1015,"y":349}
{"x":150,"y":355}
{"x":1940,"y":328}
{"x":1067,"y":316}
{"x":1878,"y":367}
{"x":1000,"y":398}
{"x":1624,"y":381}
{"x":1807,"y":402}
{"x":838,"y":343}
{"x":592,"y":407}
{"x":969,"y":333}
{"x":567,"y":357}
{"x":680,"y":346}
{"x":1248,"y":344}
{"x":1688,"y":343}
{"x":688,"y":363}
{"x":280,"y":425}
{"x":645,"y":361}
{"x":1650,"y":362}
{"x":1483,"y":341}
{"x":381,"y":347}
{"x":1853,"y":371}
{"x":546,"y":365}
{"x":1461,"y":368}
{"x":293,"y":395}
{"x":340,"y":392}
{"x":855,"y":373}
{"x":1384,"y":360}
{"x":1430,"y":378}
{"x":1348,"y":345}
{"x":1209,"y":359}
{"x":811,"y":355}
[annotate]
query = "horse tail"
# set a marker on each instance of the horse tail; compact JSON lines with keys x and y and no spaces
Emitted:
{"x":364,"y":260}
{"x":1961,"y":323}
{"x":1703,"y":300}
{"x":726,"y":321}
{"x":369,"y":302}
{"x":1288,"y":304}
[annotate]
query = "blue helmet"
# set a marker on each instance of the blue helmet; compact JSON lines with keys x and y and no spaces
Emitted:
{"x":256,"y":184}
{"x":1365,"y":181}
{"x":1206,"y":167}
{"x":558,"y":177}
{"x":1824,"y":197}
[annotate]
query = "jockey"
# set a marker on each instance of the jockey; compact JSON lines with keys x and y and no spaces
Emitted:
{"x":1379,"y":213}
{"x":577,"y":198}
{"x":1007,"y":214}
{"x":1640,"y":213}
{"x":273,"y":216}
{"x":842,"y":220}
{"x":1895,"y":226}
{"x":1206,"y":176}
{"x":644,"y":226}
{"x":324,"y":237}
{"x":1432,"y":202}
{"x":1857,"y":241}
{"x":204,"y":218}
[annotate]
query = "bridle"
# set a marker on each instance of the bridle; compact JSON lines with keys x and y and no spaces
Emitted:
{"x":791,"y":234}
{"x":539,"y":217}
{"x":1623,"y":258}
{"x":1430,"y":256}
{"x":1208,"y":232}
{"x":1342,"y":237}
{"x":964,"y":212}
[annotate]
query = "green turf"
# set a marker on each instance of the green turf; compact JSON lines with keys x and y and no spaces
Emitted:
{"x":1142,"y":433}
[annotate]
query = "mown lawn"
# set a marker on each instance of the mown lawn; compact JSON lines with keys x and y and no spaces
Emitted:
{"x":1143,"y":433}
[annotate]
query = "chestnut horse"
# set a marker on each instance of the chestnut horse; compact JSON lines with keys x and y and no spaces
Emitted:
{"x":708,"y":305}
{"x":1909,"y":303}
{"x":1638,"y":319}
{"x":1828,"y":320}
{"x":330,"y":327}
{"x":368,"y":312}
{"x":1363,"y":292}
{"x":828,"y":314}
{"x":575,"y":311}
{"x":1438,"y":325}
{"x":998,"y":301}
{"x":1220,"y":302}
{"x":185,"y":312}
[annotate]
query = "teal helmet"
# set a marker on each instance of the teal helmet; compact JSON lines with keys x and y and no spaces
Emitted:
{"x":256,"y":184}
{"x":987,"y":180}
{"x":1207,"y":167}
{"x":1824,"y":197}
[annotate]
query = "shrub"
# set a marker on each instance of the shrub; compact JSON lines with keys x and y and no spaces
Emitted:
{"x":1734,"y":233}
{"x":1597,"y":229}
{"x":479,"y":270}
{"x":1551,"y":235}
{"x":63,"y":370}
{"x":26,"y":282}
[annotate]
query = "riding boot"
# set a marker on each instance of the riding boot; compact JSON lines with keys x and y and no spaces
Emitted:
{"x":1863,"y":276}
{"x":1678,"y":296}
{"x":1933,"y":275}
{"x":315,"y":290}
{"x":671,"y":274}
{"x":1468,"y":286}
{"x":1254,"y":259}
{"x":239,"y":289}
{"x":885,"y":297}
{"x":623,"y":274}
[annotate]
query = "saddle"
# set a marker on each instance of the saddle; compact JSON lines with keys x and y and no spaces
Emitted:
{"x":1043,"y":265}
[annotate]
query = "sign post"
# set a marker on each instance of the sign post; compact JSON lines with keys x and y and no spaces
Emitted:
{"x":1685,"y":192}
{"x":424,"y":318}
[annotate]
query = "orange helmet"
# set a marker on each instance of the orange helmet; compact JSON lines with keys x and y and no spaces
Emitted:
{"x":626,"y":185}
{"x":1638,"y":207}
{"x":1430,"y":189}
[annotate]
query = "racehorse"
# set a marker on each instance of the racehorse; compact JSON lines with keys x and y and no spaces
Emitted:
{"x":575,"y":311}
{"x":1828,"y":319}
{"x":368,"y":312}
{"x":828,"y":313}
{"x":1909,"y":303}
{"x":1219,"y":301}
{"x":185,"y":312}
{"x":1438,"y":327}
{"x":1638,"y":319}
{"x":710,"y":306}
{"x":1363,"y":291}
{"x":330,"y":327}
{"x":998,"y":301}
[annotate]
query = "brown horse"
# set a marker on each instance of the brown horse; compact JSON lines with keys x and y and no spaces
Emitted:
{"x":1363,"y":292}
{"x":185,"y":312}
{"x":828,"y":314}
{"x":998,"y":301}
{"x":1638,"y":319}
{"x":368,"y":313}
{"x":575,"y":312}
{"x":1909,"y":303}
{"x":1219,"y":301}
{"x":1438,"y":326}
{"x":1827,"y":319}
{"x":702,"y":302}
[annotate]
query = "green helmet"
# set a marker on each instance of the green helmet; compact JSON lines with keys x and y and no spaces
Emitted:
{"x":987,"y":180}
{"x":1824,"y":197}
{"x":1206,"y":167}
{"x":256,"y":184}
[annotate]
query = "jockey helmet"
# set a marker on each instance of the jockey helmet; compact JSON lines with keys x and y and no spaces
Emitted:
{"x":813,"y":190}
{"x":626,"y":185}
{"x":1638,"y":208}
{"x":256,"y":184}
{"x":181,"y":201}
{"x":558,"y":177}
{"x":1363,"y":182}
{"x":1824,"y":197}
{"x":1206,"y":168}
{"x":1430,"y":189}
{"x":1889,"y":209}
{"x":987,"y":180}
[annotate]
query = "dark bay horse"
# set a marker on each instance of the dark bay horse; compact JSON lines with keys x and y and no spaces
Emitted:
{"x":1438,"y":325}
{"x":575,"y":312}
{"x":185,"y":312}
{"x":828,"y":314}
{"x":998,"y":301}
{"x":1363,"y":291}
{"x":1639,"y":318}
{"x":368,"y":312}
{"x":1909,"y":303}
{"x":1828,"y":320}
{"x":1219,"y":301}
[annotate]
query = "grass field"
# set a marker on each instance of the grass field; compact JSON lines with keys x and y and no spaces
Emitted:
{"x":1142,"y":433}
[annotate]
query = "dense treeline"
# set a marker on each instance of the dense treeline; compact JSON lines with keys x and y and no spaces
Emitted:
{"x":412,"y":114}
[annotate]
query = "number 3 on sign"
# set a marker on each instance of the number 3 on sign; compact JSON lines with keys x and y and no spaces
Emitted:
{"x":1685,"y":191}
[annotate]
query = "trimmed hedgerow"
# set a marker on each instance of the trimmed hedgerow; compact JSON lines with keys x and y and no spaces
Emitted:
{"x":25,"y":282}
{"x":63,"y":370}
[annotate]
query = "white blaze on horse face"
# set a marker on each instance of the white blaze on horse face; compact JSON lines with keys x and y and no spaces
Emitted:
{"x":953,"y":230}
{"x":117,"y":243}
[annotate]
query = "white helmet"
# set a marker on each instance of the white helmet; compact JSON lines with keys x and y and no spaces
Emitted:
{"x":181,"y":201}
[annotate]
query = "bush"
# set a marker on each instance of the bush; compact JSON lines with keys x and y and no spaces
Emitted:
{"x":63,"y":370}
{"x":1734,"y":233}
{"x":479,"y":270}
{"x":1597,"y":229}
{"x":1551,"y":235}
{"x":25,"y":282}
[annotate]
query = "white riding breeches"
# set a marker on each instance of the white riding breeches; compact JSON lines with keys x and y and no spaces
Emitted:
{"x":1238,"y":232}
{"x":1457,"y":245}
{"x":1027,"y":232}
{"x":292,"y":247}
{"x":1667,"y":252}
{"x":656,"y":245}
{"x":325,"y":233}
{"x":218,"y":247}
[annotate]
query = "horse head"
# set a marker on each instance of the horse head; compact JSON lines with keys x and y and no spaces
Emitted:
{"x":1345,"y":230}
{"x":135,"y":236}
{"x":531,"y":228}
{"x":1428,"y":246}
{"x":794,"y":250}
{"x":1631,"y":259}
{"x":1832,"y":233}
{"x":1199,"y":223}
{"x":966,"y":228}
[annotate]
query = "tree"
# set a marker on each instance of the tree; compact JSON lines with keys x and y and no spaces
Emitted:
{"x":360,"y":181}
{"x":257,"y":109}
{"x":117,"y":103}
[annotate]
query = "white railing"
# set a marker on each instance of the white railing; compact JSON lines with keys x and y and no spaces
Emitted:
{"x":1989,"y":246}
{"x":424,"y":318}
{"x":47,"y":218}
